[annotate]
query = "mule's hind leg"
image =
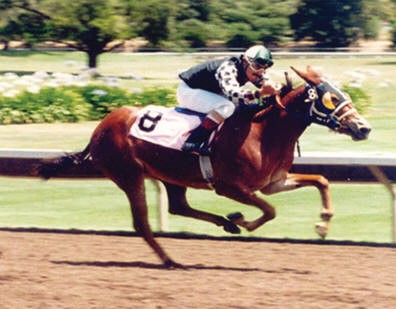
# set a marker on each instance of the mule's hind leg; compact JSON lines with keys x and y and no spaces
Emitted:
{"x":178,"y":205}
{"x":135,"y":191}
{"x":113,"y":153}
{"x":246,"y":196}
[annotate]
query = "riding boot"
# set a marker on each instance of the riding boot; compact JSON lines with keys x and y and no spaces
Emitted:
{"x":198,"y":139}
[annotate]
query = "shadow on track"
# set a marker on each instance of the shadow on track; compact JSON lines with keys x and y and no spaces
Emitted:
{"x":138,"y":264}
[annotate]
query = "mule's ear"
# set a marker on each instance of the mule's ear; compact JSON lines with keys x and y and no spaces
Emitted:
{"x":313,"y":74}
{"x":287,"y":87}
{"x":310,"y":76}
{"x":302,"y":74}
{"x":289,"y":82}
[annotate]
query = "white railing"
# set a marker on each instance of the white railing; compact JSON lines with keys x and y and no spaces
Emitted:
{"x":346,"y":167}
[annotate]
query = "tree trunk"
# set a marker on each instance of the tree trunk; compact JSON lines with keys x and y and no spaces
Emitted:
{"x":5,"y":44}
{"x":92,"y":59}
{"x":92,"y":63}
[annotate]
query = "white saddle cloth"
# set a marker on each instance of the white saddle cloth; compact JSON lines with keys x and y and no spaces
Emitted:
{"x":164,"y":126}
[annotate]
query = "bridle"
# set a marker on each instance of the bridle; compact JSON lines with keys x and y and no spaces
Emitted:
{"x":325,"y":111}
{"x":321,"y":110}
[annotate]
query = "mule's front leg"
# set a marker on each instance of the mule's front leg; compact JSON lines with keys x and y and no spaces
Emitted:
{"x":246,"y":196}
{"x":322,"y":184}
{"x":295,"y":181}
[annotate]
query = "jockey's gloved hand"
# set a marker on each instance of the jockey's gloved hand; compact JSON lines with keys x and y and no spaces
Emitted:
{"x":251,"y":107}
{"x":267,"y":101}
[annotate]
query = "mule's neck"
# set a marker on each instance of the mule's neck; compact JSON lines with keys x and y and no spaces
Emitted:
{"x":286,"y":124}
{"x":279,"y":130}
{"x":294,"y":110}
{"x":295,"y":99}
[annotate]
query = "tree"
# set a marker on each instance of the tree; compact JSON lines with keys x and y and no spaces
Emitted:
{"x":9,"y":30}
{"x":86,"y":25}
{"x":331,"y":23}
{"x":391,"y":7}
{"x":271,"y":20}
{"x":193,"y":31}
{"x":191,"y":19}
{"x":150,"y":19}
{"x":31,"y":28}
{"x":341,"y":22}
{"x":251,"y":21}
{"x":193,"y":9}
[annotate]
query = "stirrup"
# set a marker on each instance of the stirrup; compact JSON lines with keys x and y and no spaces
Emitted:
{"x":199,"y":148}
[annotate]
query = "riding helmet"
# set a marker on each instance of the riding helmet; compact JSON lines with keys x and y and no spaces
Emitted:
{"x":260,"y":55}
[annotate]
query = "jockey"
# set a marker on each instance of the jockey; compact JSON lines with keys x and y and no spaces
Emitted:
{"x":215,"y":88}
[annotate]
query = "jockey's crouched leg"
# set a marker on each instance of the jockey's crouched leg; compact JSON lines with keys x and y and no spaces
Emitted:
{"x":198,"y":141}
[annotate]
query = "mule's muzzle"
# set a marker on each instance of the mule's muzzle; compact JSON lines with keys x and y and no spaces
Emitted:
{"x":359,"y":129}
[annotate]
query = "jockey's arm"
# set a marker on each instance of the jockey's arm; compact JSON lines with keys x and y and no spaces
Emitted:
{"x":227,"y":78}
{"x":226,"y":75}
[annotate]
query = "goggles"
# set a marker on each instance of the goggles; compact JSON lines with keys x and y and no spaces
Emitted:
{"x":260,"y":64}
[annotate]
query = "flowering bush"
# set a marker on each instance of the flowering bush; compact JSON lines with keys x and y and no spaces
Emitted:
{"x":62,"y":97}
{"x":48,"y":105}
{"x":73,"y":103}
{"x":103,"y":99}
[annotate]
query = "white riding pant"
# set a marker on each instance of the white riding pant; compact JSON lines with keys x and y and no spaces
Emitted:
{"x":216,"y":106}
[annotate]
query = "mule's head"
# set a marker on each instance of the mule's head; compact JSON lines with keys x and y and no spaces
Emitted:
{"x":331,"y":107}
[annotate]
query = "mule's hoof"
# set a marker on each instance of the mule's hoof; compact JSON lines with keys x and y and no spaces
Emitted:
{"x":321,"y":229}
{"x":235,"y":216}
{"x":232,"y":228}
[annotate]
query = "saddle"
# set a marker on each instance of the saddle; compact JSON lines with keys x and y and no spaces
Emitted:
{"x":165,"y":126}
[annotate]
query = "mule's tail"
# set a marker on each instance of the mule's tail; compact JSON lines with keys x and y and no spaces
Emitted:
{"x":59,"y":165}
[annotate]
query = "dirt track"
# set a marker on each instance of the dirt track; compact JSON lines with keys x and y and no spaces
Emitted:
{"x":44,"y":270}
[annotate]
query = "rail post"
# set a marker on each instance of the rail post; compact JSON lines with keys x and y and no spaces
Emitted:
{"x":162,"y":205}
{"x":380,"y":175}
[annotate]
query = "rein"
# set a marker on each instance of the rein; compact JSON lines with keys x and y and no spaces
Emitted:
{"x":266,"y":108}
{"x":295,"y":114}
{"x":274,"y":102}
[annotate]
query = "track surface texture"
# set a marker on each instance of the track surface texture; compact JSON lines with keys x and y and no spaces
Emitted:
{"x":57,"y":270}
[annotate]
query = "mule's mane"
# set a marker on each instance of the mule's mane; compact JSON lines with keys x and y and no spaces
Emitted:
{"x":293,"y":94}
{"x":286,"y":89}
{"x":288,"y":95}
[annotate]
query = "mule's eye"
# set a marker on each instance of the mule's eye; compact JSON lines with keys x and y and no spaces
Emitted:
{"x":327,"y":101}
{"x":334,"y":98}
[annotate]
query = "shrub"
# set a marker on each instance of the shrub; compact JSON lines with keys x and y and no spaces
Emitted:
{"x":48,"y":105}
{"x":103,"y":99}
{"x":359,"y":97}
{"x":72,"y":104}
{"x":157,"y":96}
